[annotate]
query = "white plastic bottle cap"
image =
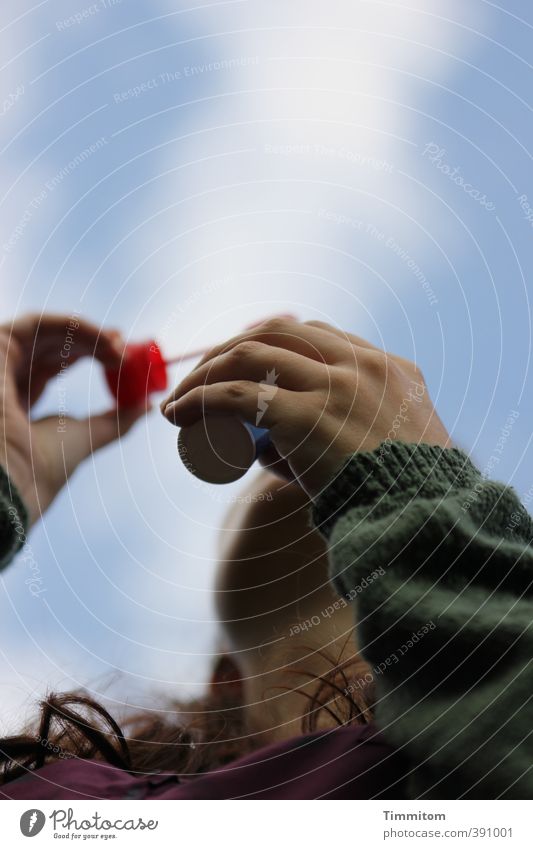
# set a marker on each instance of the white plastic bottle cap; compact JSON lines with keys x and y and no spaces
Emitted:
{"x":217,"y":449}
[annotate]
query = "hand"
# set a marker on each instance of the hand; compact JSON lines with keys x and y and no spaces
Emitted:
{"x":336,"y":394}
{"x":40,"y":455}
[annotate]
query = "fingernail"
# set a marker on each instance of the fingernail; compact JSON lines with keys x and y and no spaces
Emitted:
{"x":170,"y":410}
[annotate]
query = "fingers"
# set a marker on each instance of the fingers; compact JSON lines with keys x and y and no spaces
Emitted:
{"x":239,"y":398}
{"x":47,"y":344}
{"x":232,"y":377}
{"x":88,"y":340}
{"x":312,"y":342}
{"x":82,"y":437}
{"x":106,"y":427}
{"x":287,"y":315}
{"x":359,"y":342}
{"x":254,"y":361}
{"x":342,"y":334}
{"x":53,"y":339}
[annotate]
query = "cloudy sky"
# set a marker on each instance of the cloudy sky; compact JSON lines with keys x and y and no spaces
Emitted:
{"x":181,"y":169}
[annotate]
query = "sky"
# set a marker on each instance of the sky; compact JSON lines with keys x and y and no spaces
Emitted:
{"x":179,"y":170}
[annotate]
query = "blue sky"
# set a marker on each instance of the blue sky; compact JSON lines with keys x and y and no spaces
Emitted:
{"x":362,"y":163}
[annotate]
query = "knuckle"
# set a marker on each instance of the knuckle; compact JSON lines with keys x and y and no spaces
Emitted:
{"x":344,"y":383}
{"x":313,"y":409}
{"x":237,"y":390}
{"x":341,"y":402}
{"x":321,"y":324}
{"x":394,"y":373}
{"x":214,"y":352}
{"x":326,"y":402}
{"x":196,"y":395}
{"x":377,"y":365}
{"x":274,"y":325}
{"x":246,"y":350}
{"x":410,"y":369}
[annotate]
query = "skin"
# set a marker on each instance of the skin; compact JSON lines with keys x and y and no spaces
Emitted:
{"x":337,"y":395}
{"x":273,"y":577}
{"x":38,"y":457}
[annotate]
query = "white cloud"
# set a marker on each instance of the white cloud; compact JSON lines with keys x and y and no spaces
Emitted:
{"x":308,"y":107}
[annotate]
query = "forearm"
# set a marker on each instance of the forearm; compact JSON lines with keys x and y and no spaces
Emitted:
{"x":455,"y":567}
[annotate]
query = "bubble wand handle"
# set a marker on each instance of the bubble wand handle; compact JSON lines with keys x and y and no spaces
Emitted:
{"x":188,"y":355}
{"x":200,"y":352}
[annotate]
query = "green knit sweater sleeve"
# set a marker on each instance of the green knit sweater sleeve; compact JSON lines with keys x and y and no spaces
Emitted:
{"x":439,"y":562}
{"x":13,"y":520}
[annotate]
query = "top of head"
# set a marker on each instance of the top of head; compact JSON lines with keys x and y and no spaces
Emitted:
{"x":271,"y":562}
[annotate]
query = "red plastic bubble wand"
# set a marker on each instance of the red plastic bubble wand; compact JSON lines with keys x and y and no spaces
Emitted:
{"x":142,"y":371}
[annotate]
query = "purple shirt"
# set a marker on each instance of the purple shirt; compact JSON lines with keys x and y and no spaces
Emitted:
{"x":343,"y":763}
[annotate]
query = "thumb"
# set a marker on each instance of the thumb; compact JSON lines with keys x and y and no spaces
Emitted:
{"x":106,"y":427}
{"x":57,"y":451}
{"x":81,"y":437}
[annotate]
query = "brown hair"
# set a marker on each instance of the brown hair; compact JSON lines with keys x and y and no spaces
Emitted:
{"x":201,"y":736}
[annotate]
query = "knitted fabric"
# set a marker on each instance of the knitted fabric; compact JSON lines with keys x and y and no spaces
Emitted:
{"x":13,"y":520}
{"x":439,"y":564}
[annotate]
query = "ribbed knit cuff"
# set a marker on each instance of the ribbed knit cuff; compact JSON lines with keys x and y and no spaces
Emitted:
{"x":392,"y":469}
{"x":14,"y":519}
